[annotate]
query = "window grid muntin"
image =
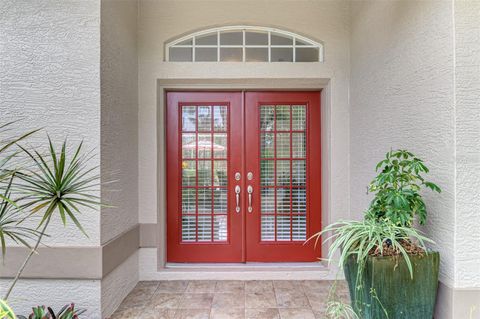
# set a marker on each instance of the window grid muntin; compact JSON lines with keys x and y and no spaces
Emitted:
{"x":193,"y":222}
{"x":296,"y":234}
{"x":244,"y":29}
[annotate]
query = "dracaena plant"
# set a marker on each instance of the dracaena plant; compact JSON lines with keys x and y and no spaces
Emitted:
{"x":5,"y":311}
{"x":397,"y":189}
{"x":56,"y":185}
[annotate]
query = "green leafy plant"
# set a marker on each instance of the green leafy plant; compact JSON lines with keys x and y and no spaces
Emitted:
{"x":5,"y":311}
{"x":10,"y":214}
{"x":387,"y":229}
{"x":55,"y":185}
{"x":397,"y":189}
{"x":42,"y":312}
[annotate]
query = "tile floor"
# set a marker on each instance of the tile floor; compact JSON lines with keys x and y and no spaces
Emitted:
{"x":228,"y":300}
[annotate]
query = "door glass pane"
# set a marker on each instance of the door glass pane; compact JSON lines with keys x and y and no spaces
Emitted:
{"x":283,"y":171}
{"x":204,"y":145}
{"x":282,"y":115}
{"x":283,"y":145}
{"x":283,"y":227}
{"x":189,"y":145}
{"x":267,"y":117}
{"x":267,"y":145}
{"x":189,"y":173}
{"x":204,"y":173}
{"x":204,"y":118}
{"x":299,"y":117}
{"x":268,"y":228}
{"x":280,"y":39}
{"x":306,"y":54}
{"x":220,"y":145}
{"x":189,"y":118}
{"x":220,"y":228}
{"x":204,"y":180}
{"x":298,"y":145}
{"x":220,"y":173}
{"x":220,"y":118}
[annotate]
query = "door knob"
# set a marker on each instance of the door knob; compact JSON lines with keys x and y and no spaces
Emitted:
{"x":250,"y":192}
{"x":237,"y":198}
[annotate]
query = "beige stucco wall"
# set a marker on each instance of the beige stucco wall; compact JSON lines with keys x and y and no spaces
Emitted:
{"x":119,"y":141}
{"x":326,"y":21}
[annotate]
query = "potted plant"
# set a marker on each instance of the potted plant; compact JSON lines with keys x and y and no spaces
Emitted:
{"x":389,"y":270}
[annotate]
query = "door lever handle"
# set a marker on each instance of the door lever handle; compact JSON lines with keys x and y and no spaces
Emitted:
{"x":237,"y":198}
{"x":250,"y":191}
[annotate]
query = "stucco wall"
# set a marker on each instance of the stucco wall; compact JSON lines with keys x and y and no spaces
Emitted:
{"x":326,"y":21}
{"x":119,"y":116}
{"x":49,"y":77}
{"x":467,"y":121}
{"x":401,"y":94}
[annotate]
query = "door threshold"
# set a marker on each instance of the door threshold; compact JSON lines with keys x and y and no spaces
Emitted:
{"x":241,"y":271}
{"x":249,"y":266}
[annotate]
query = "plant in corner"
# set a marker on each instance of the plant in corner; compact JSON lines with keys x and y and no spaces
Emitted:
{"x":41,"y":186}
{"x":389,"y":270}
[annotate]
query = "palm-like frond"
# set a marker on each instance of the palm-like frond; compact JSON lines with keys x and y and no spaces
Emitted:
{"x":58,"y":184}
{"x":10,"y":219}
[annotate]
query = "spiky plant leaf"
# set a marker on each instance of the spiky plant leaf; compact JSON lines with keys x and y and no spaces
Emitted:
{"x":59,"y":184}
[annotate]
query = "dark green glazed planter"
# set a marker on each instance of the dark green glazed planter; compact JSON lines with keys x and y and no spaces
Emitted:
{"x":402,"y":297}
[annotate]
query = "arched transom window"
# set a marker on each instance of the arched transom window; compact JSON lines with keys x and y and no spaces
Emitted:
{"x":244,"y":44}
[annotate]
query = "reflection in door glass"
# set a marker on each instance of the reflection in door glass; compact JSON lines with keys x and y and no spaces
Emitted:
{"x":283,"y":172}
{"x":204,"y":173}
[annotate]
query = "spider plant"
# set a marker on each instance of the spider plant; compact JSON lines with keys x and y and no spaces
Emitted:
{"x":56,"y":185}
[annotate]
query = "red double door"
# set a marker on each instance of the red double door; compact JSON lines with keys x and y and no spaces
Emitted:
{"x":243,"y":176}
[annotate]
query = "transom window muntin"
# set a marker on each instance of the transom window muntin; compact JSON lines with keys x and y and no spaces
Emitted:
{"x":244,"y":44}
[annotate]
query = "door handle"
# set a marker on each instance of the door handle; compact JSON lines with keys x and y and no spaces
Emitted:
{"x":237,"y":198}
{"x":250,"y":191}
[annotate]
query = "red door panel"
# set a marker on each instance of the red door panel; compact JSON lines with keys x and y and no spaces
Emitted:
{"x":266,"y":146}
{"x":283,"y":155}
{"x":204,"y":139}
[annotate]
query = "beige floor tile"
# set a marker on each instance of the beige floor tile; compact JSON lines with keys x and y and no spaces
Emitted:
{"x":318,"y":301}
{"x":258,"y":286}
{"x":196,"y":301}
{"x":158,"y":313}
{"x":229,"y":300}
{"x":296,"y":313}
{"x":127,"y":313}
{"x":165,"y":300}
{"x":224,"y":313}
{"x":264,"y":299}
{"x":265,"y":313}
{"x":192,"y":314}
{"x":172,"y":286}
{"x":201,"y":286}
{"x":288,"y":284}
{"x":317,"y":286}
{"x":230,"y":286}
{"x":138,"y":297}
{"x":291,"y":298}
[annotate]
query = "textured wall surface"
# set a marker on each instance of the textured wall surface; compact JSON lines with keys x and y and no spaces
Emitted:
{"x":117,"y":284}
{"x":159,"y":21}
{"x":55,"y":293}
{"x":119,"y":100}
{"x":467,"y":120}
{"x":401,"y":95}
{"x":49,"y":77}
